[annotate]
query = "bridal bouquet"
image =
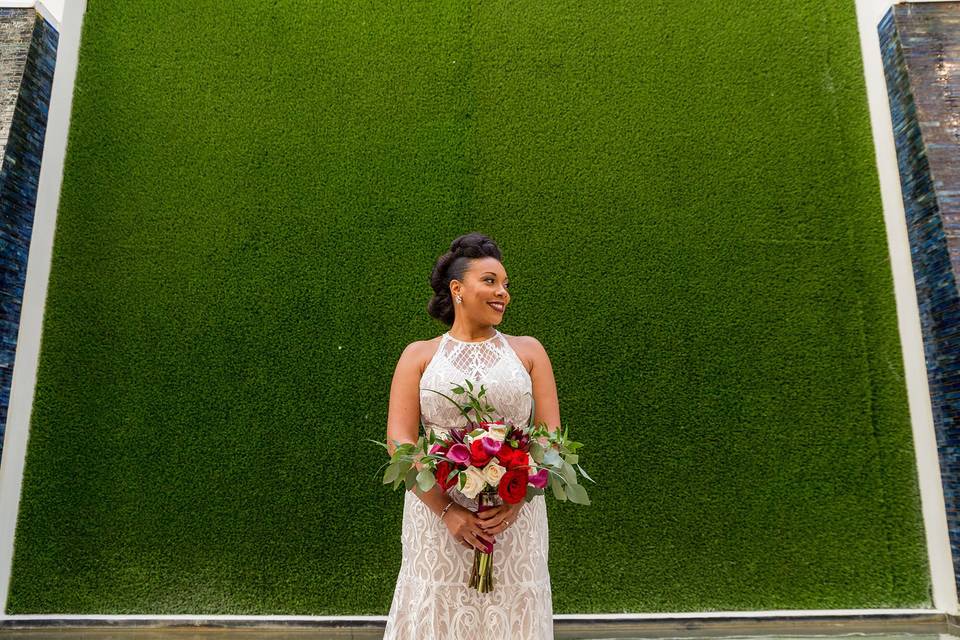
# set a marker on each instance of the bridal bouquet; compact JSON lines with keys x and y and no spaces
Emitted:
{"x":490,"y":460}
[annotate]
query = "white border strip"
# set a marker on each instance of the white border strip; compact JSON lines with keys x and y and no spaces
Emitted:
{"x":35,"y":288}
{"x":944,"y":584}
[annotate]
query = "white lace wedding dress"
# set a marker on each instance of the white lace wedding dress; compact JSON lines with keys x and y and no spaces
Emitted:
{"x":432,"y":600}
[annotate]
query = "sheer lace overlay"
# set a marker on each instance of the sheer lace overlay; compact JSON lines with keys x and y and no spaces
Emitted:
{"x":432,"y":599}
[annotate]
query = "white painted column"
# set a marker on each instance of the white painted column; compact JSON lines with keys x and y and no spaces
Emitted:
{"x":24,"y":377}
{"x":869,"y":14}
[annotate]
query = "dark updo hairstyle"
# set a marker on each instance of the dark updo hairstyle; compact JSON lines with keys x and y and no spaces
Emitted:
{"x":451,"y":266}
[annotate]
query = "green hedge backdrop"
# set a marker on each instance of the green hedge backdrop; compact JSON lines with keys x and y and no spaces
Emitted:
{"x":255,"y":192}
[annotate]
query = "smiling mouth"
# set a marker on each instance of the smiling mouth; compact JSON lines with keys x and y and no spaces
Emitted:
{"x":497,"y":306}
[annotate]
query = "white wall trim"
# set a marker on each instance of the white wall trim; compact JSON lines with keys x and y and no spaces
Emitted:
{"x":944,"y":585}
{"x":35,"y":288}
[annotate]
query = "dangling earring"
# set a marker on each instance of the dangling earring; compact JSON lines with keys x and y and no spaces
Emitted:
{"x":459,"y":298}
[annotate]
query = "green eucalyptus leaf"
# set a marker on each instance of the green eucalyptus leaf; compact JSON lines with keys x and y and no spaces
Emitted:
{"x":558,"y":492}
{"x":382,"y":444}
{"x":577,"y":494}
{"x":552,"y":458}
{"x":536,"y":451}
{"x":410,"y":479}
{"x":569,"y":475}
{"x":391,"y":474}
{"x":425,"y":480}
{"x":585,"y":474}
{"x":572,"y":458}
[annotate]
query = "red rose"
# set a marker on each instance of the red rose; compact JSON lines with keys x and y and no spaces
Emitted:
{"x":441,"y":472}
{"x":505,"y":456}
{"x":478,"y":456}
{"x":510,"y":457}
{"x":513,"y":486}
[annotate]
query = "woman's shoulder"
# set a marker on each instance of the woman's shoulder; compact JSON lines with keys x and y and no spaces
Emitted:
{"x":420,"y":345}
{"x":420,"y":352}
{"x":524,"y":342}
{"x":527,"y":348}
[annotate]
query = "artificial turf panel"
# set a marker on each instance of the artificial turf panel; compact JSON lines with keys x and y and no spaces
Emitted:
{"x":254,"y":194}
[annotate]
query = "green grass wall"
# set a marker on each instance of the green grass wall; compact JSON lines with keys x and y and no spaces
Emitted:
{"x":255,"y":193}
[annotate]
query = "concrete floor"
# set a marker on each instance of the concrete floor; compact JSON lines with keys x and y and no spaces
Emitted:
{"x":660,"y":629}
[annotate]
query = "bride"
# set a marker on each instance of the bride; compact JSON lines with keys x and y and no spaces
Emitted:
{"x":432,"y":599}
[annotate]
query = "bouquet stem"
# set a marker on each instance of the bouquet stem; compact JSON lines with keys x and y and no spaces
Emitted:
{"x":481,"y":576}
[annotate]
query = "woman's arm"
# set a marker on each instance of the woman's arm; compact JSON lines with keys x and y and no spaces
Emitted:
{"x":403,"y":416}
{"x":546,"y":405}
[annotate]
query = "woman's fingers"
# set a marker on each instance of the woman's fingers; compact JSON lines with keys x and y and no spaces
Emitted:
{"x":492,"y":512}
{"x":462,"y":541}
{"x":489,"y":525}
{"x":478,"y":540}
{"x":496,"y":529}
{"x":498,"y":525}
{"x":483,"y":536}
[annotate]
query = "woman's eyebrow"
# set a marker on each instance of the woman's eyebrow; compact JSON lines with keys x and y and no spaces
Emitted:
{"x":493,"y":274}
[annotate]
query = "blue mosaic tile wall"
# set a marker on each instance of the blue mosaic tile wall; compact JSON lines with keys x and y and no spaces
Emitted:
{"x":920,"y":44}
{"x":28,"y":53}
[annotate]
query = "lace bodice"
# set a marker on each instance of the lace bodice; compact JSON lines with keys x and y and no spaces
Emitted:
{"x":491,"y":362}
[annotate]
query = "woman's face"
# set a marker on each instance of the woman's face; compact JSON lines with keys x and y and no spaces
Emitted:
{"x":485,"y":291}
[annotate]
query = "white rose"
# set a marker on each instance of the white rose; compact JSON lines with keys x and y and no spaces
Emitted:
{"x":497,"y":432}
{"x":475,"y":482}
{"x":493,"y":472}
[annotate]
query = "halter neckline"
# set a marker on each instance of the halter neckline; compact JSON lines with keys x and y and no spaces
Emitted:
{"x":495,"y":334}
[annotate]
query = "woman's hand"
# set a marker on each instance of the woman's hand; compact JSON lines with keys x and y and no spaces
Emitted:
{"x":464,"y":526}
{"x":495,"y":520}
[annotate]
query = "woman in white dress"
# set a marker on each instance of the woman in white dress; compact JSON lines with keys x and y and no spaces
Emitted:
{"x":432,"y":599}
